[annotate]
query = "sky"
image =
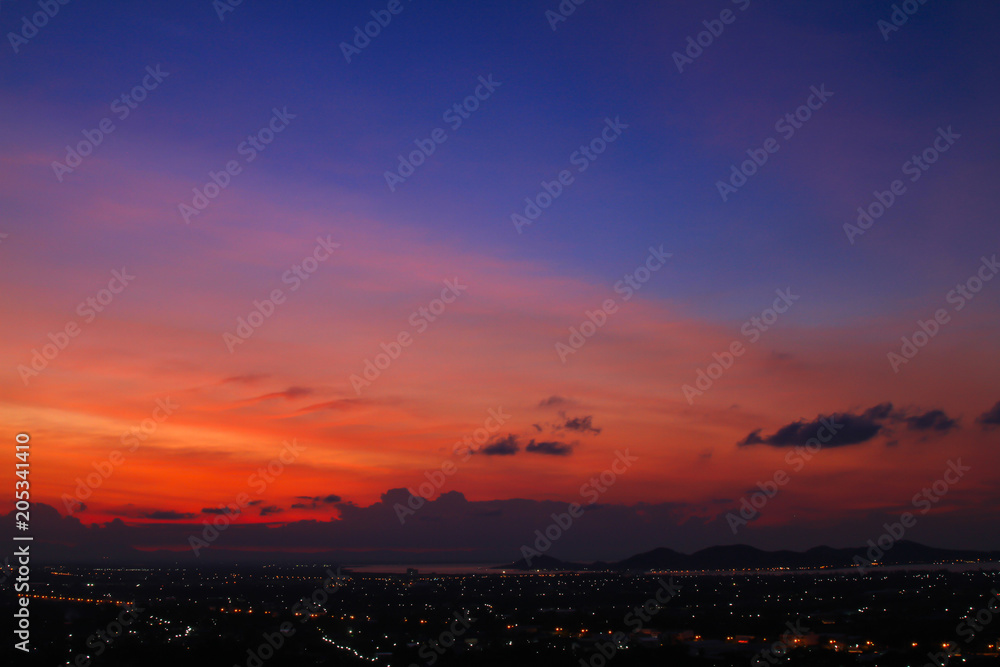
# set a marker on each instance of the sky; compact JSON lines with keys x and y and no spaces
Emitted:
{"x":564,"y":241}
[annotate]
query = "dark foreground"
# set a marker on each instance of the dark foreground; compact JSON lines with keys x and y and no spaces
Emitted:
{"x":315,"y":616}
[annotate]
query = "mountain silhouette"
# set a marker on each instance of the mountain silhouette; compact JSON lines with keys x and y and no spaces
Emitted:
{"x":745,"y":557}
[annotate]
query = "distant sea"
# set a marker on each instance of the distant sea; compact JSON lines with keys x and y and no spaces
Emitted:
{"x":486,"y":568}
{"x":425,"y":568}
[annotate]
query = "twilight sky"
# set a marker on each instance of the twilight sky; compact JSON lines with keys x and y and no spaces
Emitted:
{"x":642,"y":231}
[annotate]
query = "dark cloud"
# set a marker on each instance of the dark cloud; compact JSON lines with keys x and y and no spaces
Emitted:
{"x":554,"y":401}
{"x":582,"y":424}
{"x":317,"y":501}
{"x":879,"y":412}
{"x":511,"y":444}
{"x":213,"y":510}
{"x":503,"y":447}
{"x":753,"y":438}
{"x":452,"y":528}
{"x":289,"y":394}
{"x":991,"y":417}
{"x":933,"y":420}
{"x":853,"y":429}
{"x":254,"y":502}
{"x":847,"y":429}
{"x":551,"y":448}
{"x":270,"y":509}
{"x":166,"y":515}
{"x":330,"y":499}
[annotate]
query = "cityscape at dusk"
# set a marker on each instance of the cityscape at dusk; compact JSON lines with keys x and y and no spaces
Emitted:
{"x":642,"y":332}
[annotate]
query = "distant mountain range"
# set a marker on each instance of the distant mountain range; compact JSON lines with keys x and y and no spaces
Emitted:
{"x":743,"y":557}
